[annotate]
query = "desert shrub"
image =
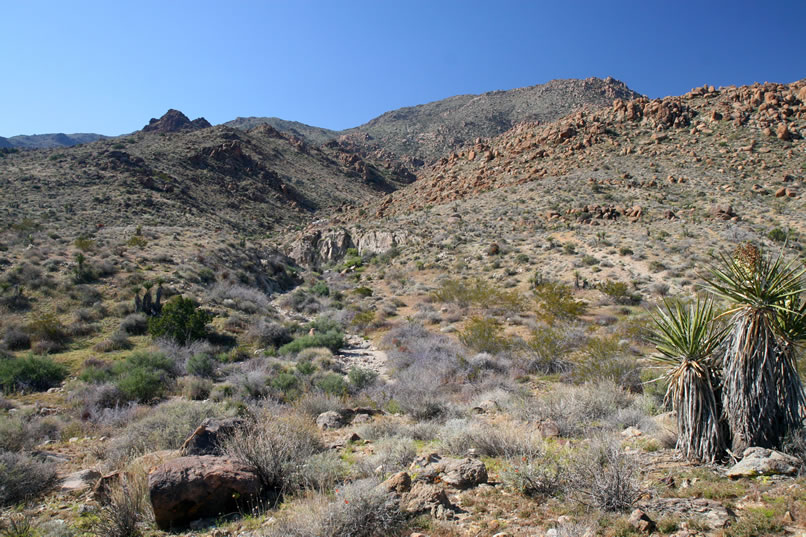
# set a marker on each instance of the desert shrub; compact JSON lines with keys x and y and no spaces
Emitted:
{"x":23,"y":477}
{"x":166,"y":426}
{"x":547,"y":349}
{"x":619,"y":292}
{"x":118,"y":341}
{"x":332,"y":339}
{"x":390,"y":454}
{"x":13,"y":433}
{"x":537,"y":474}
{"x":422,"y":431}
{"x":319,"y":472}
{"x":15,"y":338}
{"x":48,"y":330}
{"x":361,"y":378}
{"x":360,"y":509}
{"x":126,"y":511}
{"x":287,"y":383}
{"x":331,"y":383}
{"x":181,"y":320}
{"x":577,"y":409}
{"x":604,"y":358}
{"x":135,"y":324}
{"x":556,"y":301}
{"x":31,"y":373}
{"x":483,"y":334}
{"x":500,"y":440}
{"x":268,"y":333}
{"x":777,"y":234}
{"x":320,"y":289}
{"x":200,"y":364}
{"x":195,"y":388}
{"x":276,"y":446}
{"x":479,"y":293}
{"x":242,"y":298}
{"x":314,"y":403}
{"x":143,"y":376}
{"x":302,"y":302}
{"x":604,"y":477}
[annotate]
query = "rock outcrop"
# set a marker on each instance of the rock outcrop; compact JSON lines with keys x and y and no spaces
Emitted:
{"x":207,"y":438}
{"x":175,"y":121}
{"x":190,"y":488}
{"x":758,"y":461}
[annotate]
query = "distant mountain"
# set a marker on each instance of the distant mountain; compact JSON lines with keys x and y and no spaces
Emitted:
{"x":175,"y":121}
{"x":48,"y":141}
{"x":421,"y":134}
{"x":315,"y":135}
{"x":203,"y":178}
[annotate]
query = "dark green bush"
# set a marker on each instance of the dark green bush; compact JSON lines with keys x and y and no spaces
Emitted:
{"x":777,"y":235}
{"x":201,"y":365}
{"x":332,"y":339}
{"x":31,"y":373}
{"x":619,"y":292}
{"x":143,"y":376}
{"x":321,"y":289}
{"x":181,"y":320}
{"x":361,"y":378}
{"x":332,"y":383}
{"x":483,"y":334}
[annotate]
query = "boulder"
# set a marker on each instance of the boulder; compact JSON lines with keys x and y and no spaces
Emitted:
{"x":465,"y":473}
{"x":79,"y":481}
{"x":425,"y":498}
{"x":207,"y":438}
{"x":761,"y":461}
{"x":190,"y":488}
{"x":399,"y":483}
{"x":330,"y":420}
{"x":641,"y":521}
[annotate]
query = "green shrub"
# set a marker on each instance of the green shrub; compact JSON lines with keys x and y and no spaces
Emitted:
{"x":777,"y":235}
{"x":181,"y":320}
{"x":556,"y":301}
{"x":48,"y":329}
{"x":201,"y":365}
{"x":361,"y":378}
{"x":477,"y":293}
{"x":143,"y":376}
{"x":483,"y":334}
{"x":31,"y":373}
{"x":619,"y":292}
{"x":332,"y":383}
{"x":286,"y":383}
{"x":332,"y":339}
{"x":321,"y":289}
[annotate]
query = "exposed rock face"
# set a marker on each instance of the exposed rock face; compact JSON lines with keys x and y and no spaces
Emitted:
{"x":325,"y":246}
{"x":399,"y":483}
{"x":425,"y":498}
{"x":189,"y":488}
{"x":207,"y":438}
{"x":330,"y":420}
{"x":175,"y":121}
{"x":761,"y":461}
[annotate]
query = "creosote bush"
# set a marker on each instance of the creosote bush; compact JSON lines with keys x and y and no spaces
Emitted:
{"x":181,"y":320}
{"x":31,"y":373}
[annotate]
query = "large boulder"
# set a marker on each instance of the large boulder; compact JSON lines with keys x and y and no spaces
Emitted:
{"x":465,"y":473}
{"x":208,"y":437}
{"x":190,"y":488}
{"x":761,"y":461}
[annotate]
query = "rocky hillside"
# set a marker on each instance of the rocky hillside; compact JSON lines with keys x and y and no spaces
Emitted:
{"x":733,"y":145}
{"x":421,"y":134}
{"x":179,"y":173}
{"x":314,"y":135}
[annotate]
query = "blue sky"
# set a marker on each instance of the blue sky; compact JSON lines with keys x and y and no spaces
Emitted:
{"x":108,"y":66}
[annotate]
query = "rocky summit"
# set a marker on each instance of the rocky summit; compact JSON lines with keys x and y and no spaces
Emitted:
{"x":560,"y":310}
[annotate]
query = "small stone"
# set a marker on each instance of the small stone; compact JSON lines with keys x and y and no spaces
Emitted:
{"x":641,"y":521}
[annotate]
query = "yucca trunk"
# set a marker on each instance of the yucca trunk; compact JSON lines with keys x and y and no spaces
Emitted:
{"x":762,"y":392}
{"x":700,"y":433}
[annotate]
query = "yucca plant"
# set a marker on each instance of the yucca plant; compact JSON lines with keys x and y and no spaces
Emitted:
{"x":762,"y":393}
{"x":686,"y":338}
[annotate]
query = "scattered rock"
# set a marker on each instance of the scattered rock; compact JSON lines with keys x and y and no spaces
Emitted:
{"x":548,"y":429}
{"x":761,"y":461}
{"x":207,"y":438}
{"x":330,"y":420}
{"x":465,"y":473}
{"x":493,"y":249}
{"x":399,"y":483}
{"x":425,"y":498}
{"x":711,"y":512}
{"x":79,"y":481}
{"x":190,"y":488}
{"x":641,"y":521}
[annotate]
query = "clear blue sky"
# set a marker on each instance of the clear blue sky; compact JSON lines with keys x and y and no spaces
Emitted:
{"x":108,"y":66}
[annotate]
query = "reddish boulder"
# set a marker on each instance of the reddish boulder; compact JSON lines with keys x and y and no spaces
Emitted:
{"x":190,"y":488}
